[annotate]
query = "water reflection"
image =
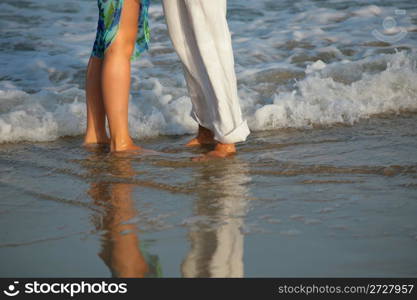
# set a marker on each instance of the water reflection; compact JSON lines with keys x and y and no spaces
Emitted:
{"x":216,"y":237}
{"x":111,"y":190}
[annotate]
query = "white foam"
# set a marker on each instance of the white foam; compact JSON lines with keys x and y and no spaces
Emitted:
{"x":368,"y":11}
{"x":318,"y":65}
{"x":36,"y":118}
{"x":321,"y":100}
{"x":317,"y":99}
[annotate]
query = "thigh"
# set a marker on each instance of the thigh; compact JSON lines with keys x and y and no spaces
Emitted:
{"x":128,"y":25}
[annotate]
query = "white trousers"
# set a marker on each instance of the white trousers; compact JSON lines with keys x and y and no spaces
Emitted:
{"x":201,"y":38}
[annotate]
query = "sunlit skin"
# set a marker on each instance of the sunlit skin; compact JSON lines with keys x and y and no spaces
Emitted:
{"x":96,"y":115}
{"x":206,"y":137}
{"x":108,"y":87}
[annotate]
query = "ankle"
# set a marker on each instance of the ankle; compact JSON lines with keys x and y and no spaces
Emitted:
{"x":91,"y":136}
{"x":120,"y":142}
{"x":205,"y":134}
{"x":227,"y":148}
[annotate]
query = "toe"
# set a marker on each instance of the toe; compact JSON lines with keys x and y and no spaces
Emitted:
{"x":193,"y":143}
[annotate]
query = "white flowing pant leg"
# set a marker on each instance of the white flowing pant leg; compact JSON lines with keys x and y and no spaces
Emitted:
{"x":201,"y":37}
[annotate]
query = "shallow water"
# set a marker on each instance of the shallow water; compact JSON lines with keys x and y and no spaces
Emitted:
{"x":326,"y":185}
{"x":321,"y":202}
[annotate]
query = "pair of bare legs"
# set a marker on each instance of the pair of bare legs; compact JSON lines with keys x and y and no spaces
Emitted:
{"x":108,"y":88}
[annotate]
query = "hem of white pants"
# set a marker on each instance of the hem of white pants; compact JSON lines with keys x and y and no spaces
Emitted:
{"x":238,"y":134}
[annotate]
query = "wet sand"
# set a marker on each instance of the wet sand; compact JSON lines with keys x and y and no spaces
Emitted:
{"x":330,"y":201}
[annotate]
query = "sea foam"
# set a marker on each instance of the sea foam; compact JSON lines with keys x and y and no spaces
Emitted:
{"x":298,"y":64}
{"x":323,"y":97}
{"x":321,"y":100}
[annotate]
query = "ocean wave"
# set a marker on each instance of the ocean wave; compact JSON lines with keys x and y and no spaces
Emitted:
{"x":325,"y":96}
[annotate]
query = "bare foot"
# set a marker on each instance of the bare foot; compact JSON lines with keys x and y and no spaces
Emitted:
{"x":204,"y":137}
{"x":221,"y":151}
{"x":129,"y":147}
{"x":126,"y":148}
{"x":92,"y":140}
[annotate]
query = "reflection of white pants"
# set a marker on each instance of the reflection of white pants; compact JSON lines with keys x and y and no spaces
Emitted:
{"x":201,"y":37}
{"x":217,"y":241}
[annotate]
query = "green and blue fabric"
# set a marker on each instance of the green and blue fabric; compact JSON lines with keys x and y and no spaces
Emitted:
{"x":108,"y":25}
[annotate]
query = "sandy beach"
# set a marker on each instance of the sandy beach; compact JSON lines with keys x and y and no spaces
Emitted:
{"x":337,"y":201}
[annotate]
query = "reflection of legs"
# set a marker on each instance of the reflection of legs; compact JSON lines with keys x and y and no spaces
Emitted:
{"x":217,"y":245}
{"x":120,"y":250}
{"x":126,"y":257}
{"x":120,"y":242}
{"x":96,"y":116}
{"x":116,"y":77}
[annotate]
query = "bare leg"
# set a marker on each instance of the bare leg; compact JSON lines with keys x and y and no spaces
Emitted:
{"x":116,"y":78}
{"x":96,"y":118}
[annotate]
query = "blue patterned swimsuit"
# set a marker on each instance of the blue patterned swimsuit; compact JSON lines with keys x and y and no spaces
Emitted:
{"x":108,"y":25}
